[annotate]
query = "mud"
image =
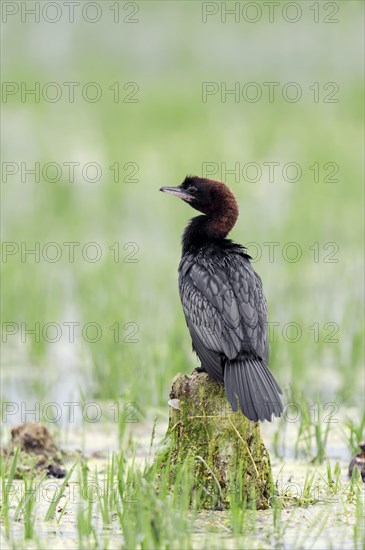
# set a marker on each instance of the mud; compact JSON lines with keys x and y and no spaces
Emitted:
{"x":37,"y":450}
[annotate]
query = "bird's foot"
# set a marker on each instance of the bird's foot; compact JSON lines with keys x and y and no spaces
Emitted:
{"x":199,"y":369}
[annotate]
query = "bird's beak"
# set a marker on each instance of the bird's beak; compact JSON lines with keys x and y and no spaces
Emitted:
{"x":178,"y":192}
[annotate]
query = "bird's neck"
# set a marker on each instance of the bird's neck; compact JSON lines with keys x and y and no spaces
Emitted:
{"x":211,"y":227}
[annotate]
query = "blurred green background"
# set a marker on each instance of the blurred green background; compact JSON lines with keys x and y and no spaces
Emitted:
{"x":166,"y":133}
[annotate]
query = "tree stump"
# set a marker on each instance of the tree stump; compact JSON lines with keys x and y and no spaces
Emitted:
{"x":224,"y":449}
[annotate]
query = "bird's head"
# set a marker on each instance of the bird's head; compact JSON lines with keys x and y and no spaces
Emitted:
{"x":207,"y":196}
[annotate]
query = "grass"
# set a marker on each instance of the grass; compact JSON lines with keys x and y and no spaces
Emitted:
{"x":312,"y":421}
{"x":120,"y":293}
{"x":353,"y":432}
{"x":58,"y":495}
{"x":359,"y":531}
{"x":7,"y":478}
{"x":107,"y":293}
{"x":116,"y":502}
{"x":27,"y":503}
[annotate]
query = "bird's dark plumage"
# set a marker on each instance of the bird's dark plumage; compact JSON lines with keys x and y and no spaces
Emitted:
{"x":223,"y":301}
{"x":358,"y":461}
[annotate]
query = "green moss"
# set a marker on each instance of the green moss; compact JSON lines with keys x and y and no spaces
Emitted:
{"x":223,"y":450}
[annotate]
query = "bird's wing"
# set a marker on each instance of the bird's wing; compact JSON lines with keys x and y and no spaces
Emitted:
{"x":247,"y":288}
{"x":225,"y":308}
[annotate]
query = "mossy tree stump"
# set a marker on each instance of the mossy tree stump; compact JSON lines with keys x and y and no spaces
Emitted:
{"x":224,"y":449}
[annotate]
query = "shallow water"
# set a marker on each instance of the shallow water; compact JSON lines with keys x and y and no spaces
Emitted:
{"x":329,"y":523}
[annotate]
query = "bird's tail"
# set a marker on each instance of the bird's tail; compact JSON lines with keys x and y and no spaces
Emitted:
{"x":249,"y":384}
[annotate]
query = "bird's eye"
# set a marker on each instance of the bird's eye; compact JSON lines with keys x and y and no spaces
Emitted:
{"x":191,"y":189}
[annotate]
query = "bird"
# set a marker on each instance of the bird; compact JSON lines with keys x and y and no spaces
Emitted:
{"x":223,"y":301}
{"x":359,"y":462}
